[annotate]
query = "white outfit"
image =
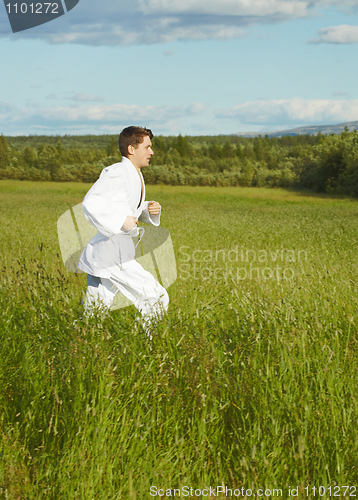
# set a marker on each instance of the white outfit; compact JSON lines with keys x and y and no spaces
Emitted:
{"x":108,"y":258}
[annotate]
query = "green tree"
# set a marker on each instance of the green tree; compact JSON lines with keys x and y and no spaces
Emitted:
{"x":159,"y":144}
{"x":183,"y":146}
{"x":215,"y":151}
{"x":249,"y":151}
{"x":227,"y":150}
{"x":29,"y":156}
{"x":238,"y":150}
{"x":4,"y":152}
{"x":258,"y":148}
{"x":112,"y":148}
{"x":59,"y":146}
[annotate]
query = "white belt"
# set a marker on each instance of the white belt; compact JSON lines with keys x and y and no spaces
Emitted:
{"x":136,"y":231}
{"x":141,"y":232}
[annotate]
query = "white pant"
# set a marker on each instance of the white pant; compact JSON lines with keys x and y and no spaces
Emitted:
{"x":135,"y":283}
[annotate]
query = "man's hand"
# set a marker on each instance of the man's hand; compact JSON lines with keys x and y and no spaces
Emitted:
{"x":154,"y":208}
{"x":129,"y":223}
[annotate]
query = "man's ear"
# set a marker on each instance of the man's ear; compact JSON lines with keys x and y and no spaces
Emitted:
{"x":130,"y":149}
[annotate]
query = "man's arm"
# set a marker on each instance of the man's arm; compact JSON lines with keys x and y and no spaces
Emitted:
{"x":106,"y":206}
{"x":129,"y":223}
{"x":151,"y":213}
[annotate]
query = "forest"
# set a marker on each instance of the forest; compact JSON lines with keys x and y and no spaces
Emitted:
{"x":321,"y":163}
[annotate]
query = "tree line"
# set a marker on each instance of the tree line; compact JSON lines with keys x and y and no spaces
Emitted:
{"x":322,"y":163}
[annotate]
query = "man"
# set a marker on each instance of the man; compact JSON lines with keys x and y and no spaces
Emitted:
{"x":114,"y":204}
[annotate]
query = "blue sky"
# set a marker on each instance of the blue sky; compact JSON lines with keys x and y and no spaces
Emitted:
{"x":192,"y":67}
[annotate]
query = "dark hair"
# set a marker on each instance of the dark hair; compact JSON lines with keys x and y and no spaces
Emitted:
{"x":132,"y":136}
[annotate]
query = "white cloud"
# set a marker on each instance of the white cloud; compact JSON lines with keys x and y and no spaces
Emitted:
{"x":337,"y":34}
{"x":119,"y":22}
{"x":284,"y":8}
{"x":292,"y":111}
{"x":342,"y":3}
{"x":166,"y":30}
{"x":93,"y":118}
{"x":5,"y":107}
{"x":196,"y":108}
{"x":80,"y":97}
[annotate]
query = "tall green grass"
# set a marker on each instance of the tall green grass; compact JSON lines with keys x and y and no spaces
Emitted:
{"x":248,"y":382}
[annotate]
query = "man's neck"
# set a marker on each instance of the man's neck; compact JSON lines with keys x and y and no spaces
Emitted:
{"x":135,"y":166}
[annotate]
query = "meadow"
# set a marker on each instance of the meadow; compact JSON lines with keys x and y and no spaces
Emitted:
{"x":249,"y":383}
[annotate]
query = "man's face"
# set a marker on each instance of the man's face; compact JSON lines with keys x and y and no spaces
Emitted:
{"x":140,"y":156}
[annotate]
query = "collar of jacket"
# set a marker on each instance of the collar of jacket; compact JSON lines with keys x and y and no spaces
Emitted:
{"x":133,"y":171}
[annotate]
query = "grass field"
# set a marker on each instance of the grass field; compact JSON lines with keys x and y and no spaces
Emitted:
{"x":250,"y":381}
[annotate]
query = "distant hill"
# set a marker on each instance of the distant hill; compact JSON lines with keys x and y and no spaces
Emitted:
{"x":311,"y":129}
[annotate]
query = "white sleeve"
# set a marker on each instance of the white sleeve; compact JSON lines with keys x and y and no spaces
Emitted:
{"x":106,"y":204}
{"x":147,"y":218}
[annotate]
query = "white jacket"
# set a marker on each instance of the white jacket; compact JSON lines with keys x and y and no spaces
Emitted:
{"x":114,"y":196}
